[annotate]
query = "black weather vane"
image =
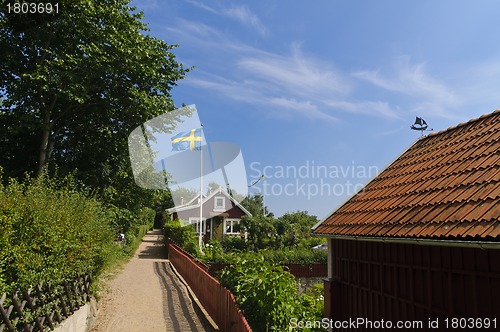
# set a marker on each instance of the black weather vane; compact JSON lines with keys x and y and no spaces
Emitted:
{"x":421,"y":125}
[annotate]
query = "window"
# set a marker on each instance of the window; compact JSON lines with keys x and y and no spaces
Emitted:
{"x":219,"y":204}
{"x":196,"y":224}
{"x":230,"y":226}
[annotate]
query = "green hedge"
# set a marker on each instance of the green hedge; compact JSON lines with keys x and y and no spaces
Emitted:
{"x":183,"y":235}
{"x":295,"y":256}
{"x":133,"y":238}
{"x":50,"y":232}
{"x":216,"y":252}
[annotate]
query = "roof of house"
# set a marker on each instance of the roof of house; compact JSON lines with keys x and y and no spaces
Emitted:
{"x":445,"y":186}
{"x":195,"y":202}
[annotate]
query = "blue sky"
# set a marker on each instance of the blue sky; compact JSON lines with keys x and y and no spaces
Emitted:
{"x":320,"y":94}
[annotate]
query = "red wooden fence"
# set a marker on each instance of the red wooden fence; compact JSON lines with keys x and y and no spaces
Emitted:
{"x":218,"y":301}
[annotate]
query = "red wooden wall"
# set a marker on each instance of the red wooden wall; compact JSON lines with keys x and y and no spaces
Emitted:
{"x":396,"y":282}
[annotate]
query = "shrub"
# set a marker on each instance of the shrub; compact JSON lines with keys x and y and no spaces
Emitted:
{"x":213,"y":252}
{"x":266,"y":294}
{"x":295,"y":256}
{"x":123,"y":219}
{"x":50,"y":232}
{"x":231,"y":243}
{"x":146,"y":216}
{"x":133,"y":238}
{"x":313,"y":300}
{"x":184,"y":236}
{"x":309,"y":242}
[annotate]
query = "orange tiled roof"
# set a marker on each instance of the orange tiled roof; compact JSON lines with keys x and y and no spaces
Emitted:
{"x":446,"y":185}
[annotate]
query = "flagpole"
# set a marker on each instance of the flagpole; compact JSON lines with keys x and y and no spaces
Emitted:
{"x":200,"y":241}
{"x":264,"y":198}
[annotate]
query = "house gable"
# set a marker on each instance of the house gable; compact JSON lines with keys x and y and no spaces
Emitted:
{"x":218,"y":203}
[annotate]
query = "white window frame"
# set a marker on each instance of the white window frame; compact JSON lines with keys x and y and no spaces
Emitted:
{"x":231,"y":222}
{"x":195,"y":222}
{"x":221,"y":207}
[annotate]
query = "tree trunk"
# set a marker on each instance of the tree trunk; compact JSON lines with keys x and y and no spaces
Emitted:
{"x":43,"y":159}
{"x":48,"y":139}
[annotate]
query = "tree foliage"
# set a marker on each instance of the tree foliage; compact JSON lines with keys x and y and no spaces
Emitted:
{"x":255,"y":205}
{"x":260,"y":230}
{"x":74,"y":84}
{"x":293,"y":229}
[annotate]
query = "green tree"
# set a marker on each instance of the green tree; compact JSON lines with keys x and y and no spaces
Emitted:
{"x":255,"y":205}
{"x":74,"y":84}
{"x":260,"y":230}
{"x":293,"y":227}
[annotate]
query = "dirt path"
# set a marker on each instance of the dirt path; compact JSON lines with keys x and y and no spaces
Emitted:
{"x":148,"y":296}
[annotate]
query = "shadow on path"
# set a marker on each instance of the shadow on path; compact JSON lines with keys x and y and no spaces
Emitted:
{"x":179,"y":313}
{"x":174,"y":298}
{"x":155,"y":248}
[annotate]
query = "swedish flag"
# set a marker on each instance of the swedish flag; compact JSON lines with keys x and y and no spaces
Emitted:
{"x":187,"y":140}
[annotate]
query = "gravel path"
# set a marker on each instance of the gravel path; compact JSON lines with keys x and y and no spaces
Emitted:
{"x":148,"y":296}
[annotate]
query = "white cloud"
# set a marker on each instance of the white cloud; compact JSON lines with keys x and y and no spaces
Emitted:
{"x":195,"y":31}
{"x":429,"y":94}
{"x":238,"y":13}
{"x":231,"y":89}
{"x":146,"y":4}
{"x":292,"y":83}
{"x":373,"y":108}
{"x":250,"y":92}
{"x":303,"y":108}
{"x":304,"y":85}
{"x":246,"y":17}
{"x":202,"y":5}
{"x":296,"y":74}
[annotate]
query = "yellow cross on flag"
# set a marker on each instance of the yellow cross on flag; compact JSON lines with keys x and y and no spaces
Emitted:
{"x":187,"y":140}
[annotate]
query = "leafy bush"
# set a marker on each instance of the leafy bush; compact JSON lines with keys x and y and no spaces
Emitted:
{"x":259,"y":230}
{"x":277,"y":257}
{"x":268,"y":295}
{"x":295,"y":256}
{"x":124,"y":220}
{"x":309,"y":242}
{"x":50,"y":232}
{"x":184,"y":236}
{"x":232,"y":243}
{"x":313,"y":299}
{"x":146,"y":216}
{"x":213,"y":252}
{"x":133,"y":238}
{"x":288,"y":231}
{"x":137,"y":229}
